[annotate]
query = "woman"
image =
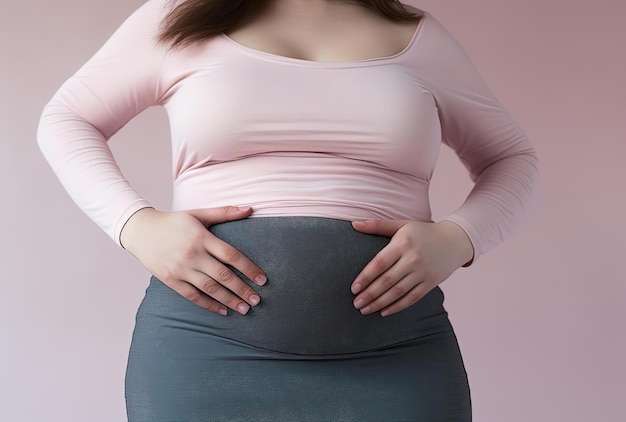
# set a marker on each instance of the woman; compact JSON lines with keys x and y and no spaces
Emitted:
{"x":304,"y":137}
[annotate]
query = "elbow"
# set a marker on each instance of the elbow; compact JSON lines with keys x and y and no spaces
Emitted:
{"x":44,"y":128}
{"x":520,"y":156}
{"x":51,"y":126}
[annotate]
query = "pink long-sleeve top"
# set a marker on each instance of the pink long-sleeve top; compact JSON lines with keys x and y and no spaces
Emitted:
{"x":286,"y":136}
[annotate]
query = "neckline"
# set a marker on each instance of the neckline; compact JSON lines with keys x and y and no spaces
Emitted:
{"x":313,"y":63}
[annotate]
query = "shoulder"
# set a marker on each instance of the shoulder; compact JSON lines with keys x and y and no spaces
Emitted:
{"x":151,"y":12}
{"x":140,"y":29}
{"x":428,"y":23}
{"x":423,"y":14}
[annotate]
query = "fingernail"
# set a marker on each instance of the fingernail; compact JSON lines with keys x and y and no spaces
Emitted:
{"x":244,"y":208}
{"x":222,"y":311}
{"x":243,"y":308}
{"x":358,"y":224}
{"x":359,"y":303}
{"x":366,"y":310}
{"x":384,"y":313}
{"x":356,"y":288}
{"x":254,"y":299}
{"x":261,"y":279}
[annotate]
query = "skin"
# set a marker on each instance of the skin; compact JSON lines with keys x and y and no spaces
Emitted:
{"x":322,"y":31}
{"x":419,"y":257}
{"x":179,"y":250}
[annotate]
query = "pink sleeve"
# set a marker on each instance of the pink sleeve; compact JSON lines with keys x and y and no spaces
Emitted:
{"x":488,"y":141}
{"x":113,"y":86}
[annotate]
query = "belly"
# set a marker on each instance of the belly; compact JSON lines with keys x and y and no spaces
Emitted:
{"x":306,"y":306}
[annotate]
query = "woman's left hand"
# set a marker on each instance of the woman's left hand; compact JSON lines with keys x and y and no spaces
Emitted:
{"x":419,"y":257}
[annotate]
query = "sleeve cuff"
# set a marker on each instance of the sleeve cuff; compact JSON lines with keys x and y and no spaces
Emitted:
{"x":469,"y":230}
{"x":132,"y":209}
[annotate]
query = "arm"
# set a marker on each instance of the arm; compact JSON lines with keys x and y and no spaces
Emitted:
{"x":117,"y":83}
{"x":498,"y":155}
{"x":121,"y":80}
{"x":500,"y":160}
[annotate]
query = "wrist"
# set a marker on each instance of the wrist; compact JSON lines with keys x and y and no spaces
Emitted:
{"x":133,"y":226}
{"x":462,"y":244}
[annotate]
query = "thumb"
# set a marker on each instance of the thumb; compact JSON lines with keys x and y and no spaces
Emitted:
{"x":210,"y":216}
{"x":379,"y":227}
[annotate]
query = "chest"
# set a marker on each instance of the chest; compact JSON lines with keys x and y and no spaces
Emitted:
{"x":236,"y":107}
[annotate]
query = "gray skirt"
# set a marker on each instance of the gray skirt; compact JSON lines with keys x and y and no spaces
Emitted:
{"x":304,"y":353}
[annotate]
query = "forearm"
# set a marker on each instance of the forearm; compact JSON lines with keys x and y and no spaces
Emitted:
{"x":504,"y":197}
{"x":81,"y":159}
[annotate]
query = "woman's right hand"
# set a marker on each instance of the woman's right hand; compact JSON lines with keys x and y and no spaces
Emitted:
{"x":177,"y":248}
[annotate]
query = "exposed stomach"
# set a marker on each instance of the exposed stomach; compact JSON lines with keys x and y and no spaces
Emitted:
{"x":306,"y":305}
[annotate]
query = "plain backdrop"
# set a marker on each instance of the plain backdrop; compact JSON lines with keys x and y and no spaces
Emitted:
{"x":540,"y":319}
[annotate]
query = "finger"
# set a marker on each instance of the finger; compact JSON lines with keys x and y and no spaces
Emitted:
{"x":210,"y":216}
{"x":192,"y":294}
{"x":379,"y":227}
{"x":395,"y":292}
{"x":383,"y":260}
{"x":233,"y":257}
{"x":409,"y":299}
{"x":216,"y":290}
{"x":385,"y":282}
{"x":223,"y":275}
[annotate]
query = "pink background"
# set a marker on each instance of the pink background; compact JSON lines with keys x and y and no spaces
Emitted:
{"x":540,"y":319}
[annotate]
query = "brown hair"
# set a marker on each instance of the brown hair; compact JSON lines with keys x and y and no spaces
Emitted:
{"x":197,"y":20}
